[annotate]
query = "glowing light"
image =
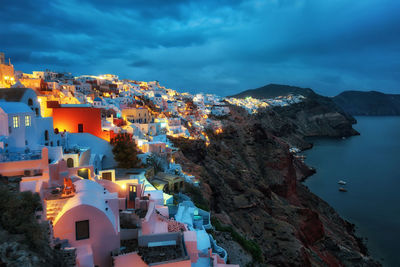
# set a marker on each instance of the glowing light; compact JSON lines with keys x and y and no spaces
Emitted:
{"x":218,"y":131}
{"x":123,"y":186}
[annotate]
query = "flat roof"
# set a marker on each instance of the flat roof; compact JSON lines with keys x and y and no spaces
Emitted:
{"x":15,"y":107}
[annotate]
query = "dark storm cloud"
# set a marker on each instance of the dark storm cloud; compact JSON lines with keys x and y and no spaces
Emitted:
{"x":140,"y":63}
{"x":216,"y":46}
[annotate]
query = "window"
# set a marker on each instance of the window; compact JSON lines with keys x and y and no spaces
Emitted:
{"x":15,"y":121}
{"x":27,"y":120}
{"x":82,"y":230}
{"x":106,"y":176}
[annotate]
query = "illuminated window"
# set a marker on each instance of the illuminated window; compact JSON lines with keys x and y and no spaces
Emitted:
{"x":106,"y":176}
{"x":27,"y":120}
{"x":82,"y":230}
{"x":15,"y":122}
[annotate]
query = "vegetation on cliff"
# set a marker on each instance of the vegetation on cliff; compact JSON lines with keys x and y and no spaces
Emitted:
{"x":24,"y":241}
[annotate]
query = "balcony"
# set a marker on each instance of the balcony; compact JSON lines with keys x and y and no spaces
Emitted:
{"x":20,"y":156}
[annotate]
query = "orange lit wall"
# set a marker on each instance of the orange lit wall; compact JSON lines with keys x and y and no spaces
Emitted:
{"x":68,"y":118}
{"x":6,"y":75}
{"x":45,"y":111}
{"x":34,"y":83}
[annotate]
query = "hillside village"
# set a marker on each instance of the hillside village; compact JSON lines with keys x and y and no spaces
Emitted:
{"x":56,"y":138}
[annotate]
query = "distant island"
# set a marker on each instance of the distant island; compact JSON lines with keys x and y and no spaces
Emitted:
{"x":355,"y":103}
{"x":370,"y":103}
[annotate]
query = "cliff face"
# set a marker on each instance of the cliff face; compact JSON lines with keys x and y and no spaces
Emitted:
{"x":368,"y":103}
{"x":317,"y":115}
{"x":252,"y":183}
{"x":315,"y":118}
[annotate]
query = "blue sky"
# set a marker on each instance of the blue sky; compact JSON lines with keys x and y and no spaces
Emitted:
{"x":214,"y":46}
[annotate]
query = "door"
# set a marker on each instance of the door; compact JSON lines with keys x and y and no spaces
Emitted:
{"x":70,"y":163}
{"x":132,"y":196}
{"x":80,"y":128}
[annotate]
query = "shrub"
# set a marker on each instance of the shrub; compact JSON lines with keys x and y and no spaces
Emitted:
{"x":248,"y":245}
{"x":197,"y":197}
{"x":17,"y":218}
{"x":159,"y":164}
{"x":125,"y":151}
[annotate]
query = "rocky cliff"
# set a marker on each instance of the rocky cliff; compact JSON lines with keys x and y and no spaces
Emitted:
{"x":251,"y":182}
{"x":369,"y":103}
{"x":317,"y":115}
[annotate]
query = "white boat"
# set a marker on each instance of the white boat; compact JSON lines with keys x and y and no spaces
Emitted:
{"x":342,"y":182}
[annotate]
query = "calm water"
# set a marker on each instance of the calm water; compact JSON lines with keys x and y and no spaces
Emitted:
{"x":370,"y":163}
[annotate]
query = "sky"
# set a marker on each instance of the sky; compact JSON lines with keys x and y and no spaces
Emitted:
{"x":213,"y":46}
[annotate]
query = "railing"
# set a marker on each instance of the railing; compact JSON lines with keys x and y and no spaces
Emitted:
{"x":20,"y":156}
{"x":219,"y":250}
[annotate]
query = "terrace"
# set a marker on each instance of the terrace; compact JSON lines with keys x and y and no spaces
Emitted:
{"x":20,"y":156}
{"x":154,"y":249}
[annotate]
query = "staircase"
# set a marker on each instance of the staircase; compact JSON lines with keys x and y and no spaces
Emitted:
{"x":53,"y":207}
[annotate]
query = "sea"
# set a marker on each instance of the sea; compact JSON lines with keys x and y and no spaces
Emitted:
{"x":370,"y":165}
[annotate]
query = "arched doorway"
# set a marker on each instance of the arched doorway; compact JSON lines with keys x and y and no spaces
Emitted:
{"x":70,"y":163}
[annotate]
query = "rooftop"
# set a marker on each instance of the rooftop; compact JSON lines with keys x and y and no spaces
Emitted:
{"x":15,"y":107}
{"x":123,"y":174}
{"x":160,"y":254}
{"x":12,"y":94}
{"x":157,"y":252}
